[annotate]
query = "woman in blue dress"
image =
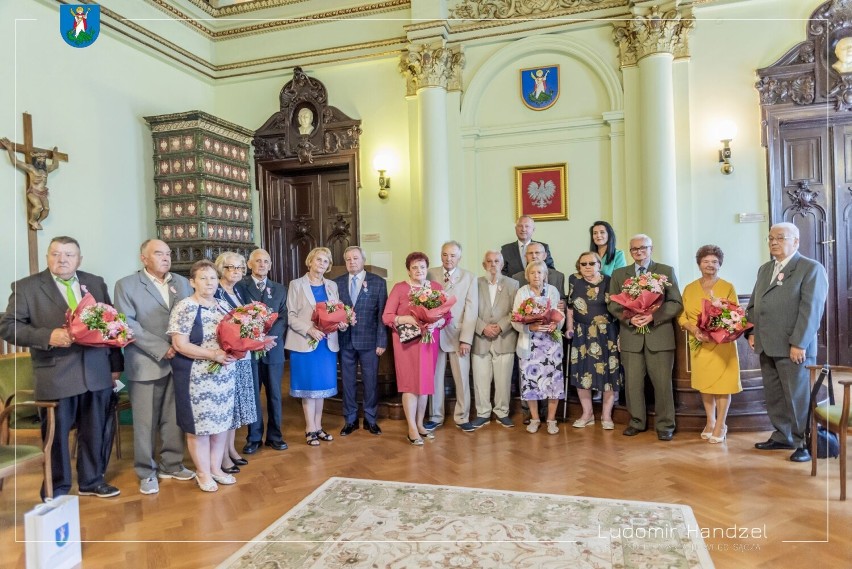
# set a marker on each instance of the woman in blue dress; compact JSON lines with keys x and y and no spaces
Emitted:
{"x":602,"y":241}
{"x":313,"y":354}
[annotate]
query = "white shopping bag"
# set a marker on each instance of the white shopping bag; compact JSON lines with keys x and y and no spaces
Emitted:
{"x":52,"y":532}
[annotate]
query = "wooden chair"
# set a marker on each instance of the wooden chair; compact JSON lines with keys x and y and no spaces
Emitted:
{"x":14,"y":457}
{"x":834,"y":418}
{"x":16,"y":383}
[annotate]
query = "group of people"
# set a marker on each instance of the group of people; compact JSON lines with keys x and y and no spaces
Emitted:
{"x":184,"y":386}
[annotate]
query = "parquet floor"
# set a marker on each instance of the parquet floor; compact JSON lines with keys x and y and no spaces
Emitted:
{"x":728,"y":486}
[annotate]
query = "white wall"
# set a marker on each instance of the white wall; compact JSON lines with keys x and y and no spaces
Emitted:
{"x":90,"y":103}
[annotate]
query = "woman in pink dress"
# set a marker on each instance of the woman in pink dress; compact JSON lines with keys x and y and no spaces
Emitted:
{"x":414,"y":360}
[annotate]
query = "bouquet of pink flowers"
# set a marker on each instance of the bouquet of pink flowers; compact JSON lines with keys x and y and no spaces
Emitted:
{"x":328,"y":315}
{"x":723,"y":320}
{"x":641,"y":296}
{"x":537,"y":310}
{"x":97,"y":324}
{"x":427,"y":307}
{"x":244,"y":330}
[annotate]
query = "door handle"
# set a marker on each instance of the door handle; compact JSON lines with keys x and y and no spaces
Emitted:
{"x":826,"y":242}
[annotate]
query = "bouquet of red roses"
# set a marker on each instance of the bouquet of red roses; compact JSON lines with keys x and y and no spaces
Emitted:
{"x":328,"y":315}
{"x":244,"y":330}
{"x":723,"y":320}
{"x":641,"y":296}
{"x":97,"y":324}
{"x":537,"y":310}
{"x":427,"y":306}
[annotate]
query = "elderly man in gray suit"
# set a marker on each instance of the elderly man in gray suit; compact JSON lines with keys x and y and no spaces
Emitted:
{"x":79,"y":378}
{"x":653,"y":352}
{"x":146,"y":298}
{"x":536,"y":252}
{"x":494,"y":344}
{"x":786,"y":308}
{"x":456,"y":337}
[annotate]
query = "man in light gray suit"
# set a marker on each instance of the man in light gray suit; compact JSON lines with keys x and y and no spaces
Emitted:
{"x":146,"y":298}
{"x":786,"y":308}
{"x":652,"y":352}
{"x":495,"y":341}
{"x":456,"y":337}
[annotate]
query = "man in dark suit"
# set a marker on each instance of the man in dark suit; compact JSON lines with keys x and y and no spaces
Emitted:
{"x":146,"y":298}
{"x":652,"y":352}
{"x":536,"y":252}
{"x":366,"y":341}
{"x":270,"y":368}
{"x":514,"y":252}
{"x":78,"y":378}
{"x":786,"y":308}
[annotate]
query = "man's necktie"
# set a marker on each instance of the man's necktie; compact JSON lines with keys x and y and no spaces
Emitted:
{"x":642,"y":270}
{"x":261,"y":285}
{"x":776,"y":270}
{"x":446,"y":277}
{"x":353,"y":290}
{"x":69,"y":292}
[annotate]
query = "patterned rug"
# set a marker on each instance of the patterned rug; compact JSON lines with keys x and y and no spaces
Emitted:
{"x":356,"y":523}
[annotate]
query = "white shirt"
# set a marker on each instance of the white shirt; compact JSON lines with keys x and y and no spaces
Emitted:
{"x":492,"y":290}
{"x":75,"y":286}
{"x":161,"y":286}
{"x":779,"y":266}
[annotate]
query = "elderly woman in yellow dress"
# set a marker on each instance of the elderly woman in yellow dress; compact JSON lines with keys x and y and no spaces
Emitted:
{"x":313,"y":353}
{"x":715,"y":367}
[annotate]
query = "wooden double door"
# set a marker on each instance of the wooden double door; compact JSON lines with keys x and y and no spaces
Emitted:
{"x":811,"y":186}
{"x":303,"y":208}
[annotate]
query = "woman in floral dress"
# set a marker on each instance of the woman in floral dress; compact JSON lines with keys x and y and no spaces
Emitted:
{"x":539,"y":355}
{"x":595,"y":360}
{"x":204,"y":399}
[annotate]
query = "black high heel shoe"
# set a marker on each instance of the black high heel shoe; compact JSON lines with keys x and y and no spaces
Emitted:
{"x":427,"y":435}
{"x":416,"y":442}
{"x":231,"y":469}
{"x":238,"y":461}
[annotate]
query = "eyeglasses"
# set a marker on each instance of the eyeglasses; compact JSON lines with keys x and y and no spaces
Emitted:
{"x":637,"y":249}
{"x":590,"y":264}
{"x":772,"y":239}
{"x":234,"y":268}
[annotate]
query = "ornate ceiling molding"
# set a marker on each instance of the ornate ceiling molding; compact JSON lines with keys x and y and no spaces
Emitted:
{"x":432,"y":66}
{"x":508,"y":9}
{"x":653,"y":32}
{"x":275,"y":25}
{"x":242,"y":8}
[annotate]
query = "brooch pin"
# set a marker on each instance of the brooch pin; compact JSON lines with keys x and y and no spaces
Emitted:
{"x":84,"y":289}
{"x":173,"y":290}
{"x":780,"y":278}
{"x":268,"y":292}
{"x":364,"y":286}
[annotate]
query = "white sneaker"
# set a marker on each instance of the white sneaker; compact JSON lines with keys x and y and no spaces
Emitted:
{"x":182,"y":474}
{"x":533,"y":426}
{"x":149,"y":485}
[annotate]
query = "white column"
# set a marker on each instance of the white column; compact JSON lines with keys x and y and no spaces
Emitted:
{"x":434,"y":168}
{"x":659,"y":180}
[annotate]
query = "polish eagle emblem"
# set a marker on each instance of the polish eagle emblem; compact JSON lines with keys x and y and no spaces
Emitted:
{"x":541,"y":193}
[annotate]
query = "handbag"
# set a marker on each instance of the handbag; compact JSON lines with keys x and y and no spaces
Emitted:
{"x":52,"y":533}
{"x":408,"y":332}
{"x":827,"y":443}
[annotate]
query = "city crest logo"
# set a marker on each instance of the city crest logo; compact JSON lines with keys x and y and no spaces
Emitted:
{"x":540,"y":87}
{"x":80,"y":25}
{"x":62,"y":534}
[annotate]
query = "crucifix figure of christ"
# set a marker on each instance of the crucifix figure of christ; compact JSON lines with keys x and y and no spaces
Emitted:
{"x":35,"y":164}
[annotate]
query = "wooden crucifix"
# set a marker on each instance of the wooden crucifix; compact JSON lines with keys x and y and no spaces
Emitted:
{"x":37,"y":169}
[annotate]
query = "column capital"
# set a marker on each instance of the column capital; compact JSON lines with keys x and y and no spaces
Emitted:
{"x":660,"y":28}
{"x":433,"y":65}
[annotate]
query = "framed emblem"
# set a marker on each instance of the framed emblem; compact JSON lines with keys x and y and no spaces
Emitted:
{"x":79,"y":24}
{"x":540,"y":87}
{"x":542,"y":192}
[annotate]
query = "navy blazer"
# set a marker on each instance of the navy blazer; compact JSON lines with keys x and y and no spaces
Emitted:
{"x":275,"y":297}
{"x":369,"y":332}
{"x":35,"y":309}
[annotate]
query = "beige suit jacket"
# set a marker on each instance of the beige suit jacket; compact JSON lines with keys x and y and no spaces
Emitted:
{"x":462,"y":326}
{"x":300,"y":308}
{"x":498,"y":313}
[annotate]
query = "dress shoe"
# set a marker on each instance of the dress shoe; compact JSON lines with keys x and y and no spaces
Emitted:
{"x":239,"y":461}
{"x":773,"y":445}
{"x":348,"y":429}
{"x":231,"y":469}
{"x":801,"y":455}
{"x":251,"y":447}
{"x":631,"y":432}
{"x":227,"y":479}
{"x":277,"y":445}
{"x":373,"y":428}
{"x":108,"y":491}
{"x":665,"y":435}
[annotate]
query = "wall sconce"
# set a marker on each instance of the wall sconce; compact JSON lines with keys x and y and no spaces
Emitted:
{"x":727,"y":132}
{"x":382,"y":163}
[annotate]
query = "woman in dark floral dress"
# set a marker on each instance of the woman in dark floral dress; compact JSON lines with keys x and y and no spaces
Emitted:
{"x":595,"y":362}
